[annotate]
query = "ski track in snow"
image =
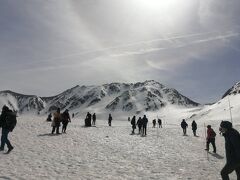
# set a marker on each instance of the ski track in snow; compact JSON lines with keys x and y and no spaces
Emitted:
{"x":104,"y":152}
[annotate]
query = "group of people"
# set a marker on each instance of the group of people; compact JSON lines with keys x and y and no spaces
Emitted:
{"x":184,"y":126}
{"x":210,"y":136}
{"x":90,"y":120}
{"x":159,"y":123}
{"x":59,"y":118}
{"x":232,"y":145}
{"x":8,"y":122}
{"x":141,"y":123}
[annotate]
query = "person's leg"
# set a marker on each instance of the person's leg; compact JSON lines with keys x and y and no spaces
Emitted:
{"x":7,"y":140}
{"x":207,"y":145}
{"x":214,"y":145}
{"x":227,"y":169}
{"x":57,"y":131}
{"x":66,"y":127}
{"x":53,"y":129}
{"x":195,"y":132}
{"x":3,"y":139}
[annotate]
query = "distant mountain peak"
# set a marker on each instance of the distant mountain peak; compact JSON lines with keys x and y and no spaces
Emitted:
{"x":235,"y":89}
{"x":149,"y":95}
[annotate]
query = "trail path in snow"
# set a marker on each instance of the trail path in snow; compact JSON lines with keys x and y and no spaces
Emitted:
{"x":104,"y":152}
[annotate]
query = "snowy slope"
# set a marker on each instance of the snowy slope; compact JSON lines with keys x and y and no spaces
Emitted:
{"x":227,"y":108}
{"x":104,"y":152}
{"x":109,"y":153}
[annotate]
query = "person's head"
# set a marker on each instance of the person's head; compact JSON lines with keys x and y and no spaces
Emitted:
{"x":66,"y":110}
{"x":209,"y":126}
{"x":183,"y":120}
{"x":58,"y":110}
{"x":225,"y":126}
{"x":5,"y":108}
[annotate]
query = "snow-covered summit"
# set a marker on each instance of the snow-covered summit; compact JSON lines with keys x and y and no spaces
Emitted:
{"x":21,"y":102}
{"x":233,"y":90}
{"x":135,"y":97}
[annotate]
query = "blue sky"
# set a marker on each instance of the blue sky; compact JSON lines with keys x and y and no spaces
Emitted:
{"x":49,"y":46}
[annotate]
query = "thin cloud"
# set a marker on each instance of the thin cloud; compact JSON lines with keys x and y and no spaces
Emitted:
{"x":194,"y":42}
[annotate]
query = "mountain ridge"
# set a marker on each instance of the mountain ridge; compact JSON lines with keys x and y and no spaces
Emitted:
{"x":149,"y":95}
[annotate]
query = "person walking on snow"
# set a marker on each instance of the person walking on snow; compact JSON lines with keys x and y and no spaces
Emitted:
{"x":65,"y":120}
{"x":144,"y":125}
{"x":139,"y":123}
{"x":184,"y":126}
{"x":8,"y":122}
{"x":133,"y":123}
{"x":194,"y":127}
{"x":232,"y":147}
{"x":210,"y":138}
{"x":154,"y":123}
{"x":160,"y":123}
{"x":94,"y":119}
{"x":56,"y":121}
{"x":110,"y":120}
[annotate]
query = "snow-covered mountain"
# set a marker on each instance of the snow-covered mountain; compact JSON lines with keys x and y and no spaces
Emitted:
{"x":133,"y":97}
{"x":226,"y":108}
{"x":233,"y":90}
{"x":21,"y":102}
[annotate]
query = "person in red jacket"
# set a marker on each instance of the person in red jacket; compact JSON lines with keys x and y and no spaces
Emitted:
{"x":210,"y":138}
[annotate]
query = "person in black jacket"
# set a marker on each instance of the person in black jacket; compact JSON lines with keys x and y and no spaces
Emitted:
{"x":110,"y":120}
{"x":194,"y":127}
{"x":154,"y":123}
{"x":65,"y":120}
{"x":7,"y":122}
{"x":94,"y":119}
{"x":184,"y":126}
{"x":232,"y":147}
{"x":144,"y":125}
{"x":139,"y":123}
{"x":160,"y":123}
{"x":133,"y":123}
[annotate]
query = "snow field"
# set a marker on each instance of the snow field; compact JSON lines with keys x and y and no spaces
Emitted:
{"x":104,"y":152}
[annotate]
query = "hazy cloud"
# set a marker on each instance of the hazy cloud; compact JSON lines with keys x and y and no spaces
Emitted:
{"x":58,"y":44}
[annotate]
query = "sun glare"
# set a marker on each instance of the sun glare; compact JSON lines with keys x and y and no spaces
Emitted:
{"x":157,"y":4}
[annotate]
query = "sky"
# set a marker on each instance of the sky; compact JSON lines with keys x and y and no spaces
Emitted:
{"x":49,"y":46}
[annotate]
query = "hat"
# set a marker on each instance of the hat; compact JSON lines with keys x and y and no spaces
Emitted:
{"x":226,"y":124}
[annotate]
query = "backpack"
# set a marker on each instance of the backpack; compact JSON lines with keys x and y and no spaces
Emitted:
{"x":11,"y":120}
